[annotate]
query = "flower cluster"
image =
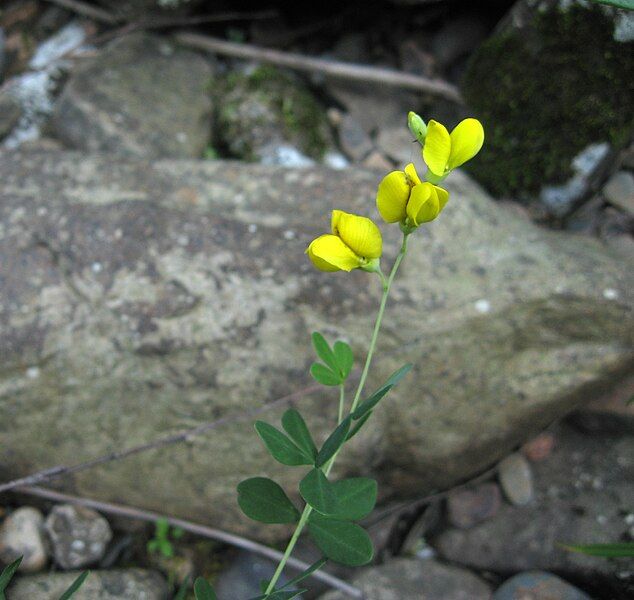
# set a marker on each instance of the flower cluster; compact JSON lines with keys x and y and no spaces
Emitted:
{"x":402,"y":197}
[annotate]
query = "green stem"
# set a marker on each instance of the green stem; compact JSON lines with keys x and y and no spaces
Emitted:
{"x":387,"y":284}
{"x":342,"y":400}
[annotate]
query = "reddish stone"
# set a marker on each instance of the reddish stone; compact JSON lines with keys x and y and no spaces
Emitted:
{"x":539,"y":447}
{"x":469,"y":507}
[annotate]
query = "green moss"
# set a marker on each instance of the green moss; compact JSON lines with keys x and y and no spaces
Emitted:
{"x":269,"y":100}
{"x":541,"y":107}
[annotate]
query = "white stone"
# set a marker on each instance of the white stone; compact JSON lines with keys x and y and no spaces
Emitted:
{"x":22,"y":534}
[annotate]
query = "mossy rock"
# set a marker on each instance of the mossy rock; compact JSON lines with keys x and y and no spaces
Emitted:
{"x":546,"y":91}
{"x":265,"y":106}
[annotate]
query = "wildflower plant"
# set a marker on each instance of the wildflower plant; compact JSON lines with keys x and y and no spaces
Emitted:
{"x":332,"y":509}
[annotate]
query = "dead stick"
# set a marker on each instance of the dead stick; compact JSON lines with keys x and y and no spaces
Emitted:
{"x":87,"y":10}
{"x":333,"y":68}
{"x":132,"y":512}
{"x":59,"y":470}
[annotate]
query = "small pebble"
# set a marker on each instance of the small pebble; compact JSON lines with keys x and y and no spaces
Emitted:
{"x":538,"y":585}
{"x":539,"y":447}
{"x":467,"y":508}
{"x":79,"y":535}
{"x":516,"y":479}
{"x":22,"y":534}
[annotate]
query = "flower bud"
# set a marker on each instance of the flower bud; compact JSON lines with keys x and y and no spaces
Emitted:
{"x":417,"y":126}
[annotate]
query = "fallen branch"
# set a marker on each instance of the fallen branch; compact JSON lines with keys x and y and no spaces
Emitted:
{"x":87,"y":10}
{"x":182,"y":436}
{"x":341,"y":70}
{"x":132,"y":512}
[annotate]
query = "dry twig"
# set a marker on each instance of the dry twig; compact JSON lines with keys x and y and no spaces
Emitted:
{"x":132,"y":512}
{"x":182,"y":436}
{"x":342,"y":70}
{"x":87,"y":10}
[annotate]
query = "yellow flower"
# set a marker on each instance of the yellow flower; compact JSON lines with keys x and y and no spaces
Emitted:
{"x":355,"y":243}
{"x":444,"y":152}
{"x":402,"y":197}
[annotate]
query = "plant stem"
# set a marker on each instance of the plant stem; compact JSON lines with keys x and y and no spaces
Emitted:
{"x":387,"y":284}
{"x":379,"y":318}
{"x":342,"y":399}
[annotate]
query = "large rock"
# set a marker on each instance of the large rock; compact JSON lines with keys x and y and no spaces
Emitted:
{"x":141,"y":96}
{"x":142,"y":298}
{"x":554,"y":78}
{"x":117,"y":584}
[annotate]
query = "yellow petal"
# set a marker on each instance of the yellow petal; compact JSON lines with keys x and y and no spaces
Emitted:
{"x":360,"y":234}
{"x":392,"y":195}
{"x":443,"y":197}
{"x":329,"y":253}
{"x":466,"y":140}
{"x":437,"y":148}
{"x":412,"y":175}
{"x":423,"y":204}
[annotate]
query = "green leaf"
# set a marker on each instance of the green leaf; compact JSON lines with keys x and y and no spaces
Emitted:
{"x":322,"y":374}
{"x":345,"y":358}
{"x":374,"y":399}
{"x":162,"y":527}
{"x":203,"y":591}
{"x":355,"y":498}
{"x":369,"y":403}
{"x":281,"y":447}
{"x":307,"y":573}
{"x":396,"y":377}
{"x":297,"y":429}
{"x":178,"y":533}
{"x":341,"y":541}
{"x":261,"y":499}
{"x":617,"y":550}
{"x":317,"y":491}
{"x":182,"y":590}
{"x":166,"y":548}
{"x":323,"y":351}
{"x":74,"y":586}
{"x":358,"y":425}
{"x":8,"y":572}
{"x":336,"y":439}
{"x":626,"y":4}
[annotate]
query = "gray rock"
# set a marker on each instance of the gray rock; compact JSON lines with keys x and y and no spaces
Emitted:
{"x":79,"y":535}
{"x":411,"y":579}
{"x":160,"y":295}
{"x":583,"y":495}
{"x":10,"y":112}
{"x":373,"y":107}
{"x":117,"y":584}
{"x":466,"y":508}
{"x":611,"y":413}
{"x":141,"y":96}
{"x":619,"y":191}
{"x":355,"y":142}
{"x":22,"y":534}
{"x":516,"y":479}
{"x":243,"y":576}
{"x":457,"y":38}
{"x":538,"y":585}
{"x":588,"y":166}
{"x":396,"y":143}
{"x":265,"y":106}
